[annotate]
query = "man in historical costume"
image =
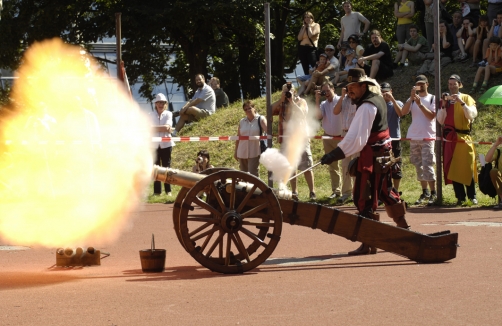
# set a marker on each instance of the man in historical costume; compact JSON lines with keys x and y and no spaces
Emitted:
{"x":369,"y":135}
{"x":457,"y":114}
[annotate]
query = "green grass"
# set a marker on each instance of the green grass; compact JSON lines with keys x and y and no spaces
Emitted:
{"x":225,"y":121}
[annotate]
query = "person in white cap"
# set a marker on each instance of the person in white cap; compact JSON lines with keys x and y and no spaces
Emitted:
{"x":162,"y":121}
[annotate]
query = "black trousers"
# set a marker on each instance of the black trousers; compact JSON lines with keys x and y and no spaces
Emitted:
{"x":162,"y":158}
{"x":305,"y":55}
{"x":461,"y":190}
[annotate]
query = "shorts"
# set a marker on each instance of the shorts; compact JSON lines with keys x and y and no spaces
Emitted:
{"x":306,"y":159}
{"x":422,"y":156}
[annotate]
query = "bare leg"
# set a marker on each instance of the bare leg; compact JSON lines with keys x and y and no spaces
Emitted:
{"x":375,"y":65}
{"x":405,"y":55}
{"x":309,"y":177}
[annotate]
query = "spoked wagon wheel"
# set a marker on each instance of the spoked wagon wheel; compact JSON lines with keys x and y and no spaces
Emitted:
{"x":179,"y":201}
{"x":233,"y":231}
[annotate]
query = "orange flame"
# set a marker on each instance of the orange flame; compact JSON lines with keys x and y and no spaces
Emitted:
{"x":77,"y":152}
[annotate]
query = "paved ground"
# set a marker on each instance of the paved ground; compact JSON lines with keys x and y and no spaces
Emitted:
{"x":308,"y":280}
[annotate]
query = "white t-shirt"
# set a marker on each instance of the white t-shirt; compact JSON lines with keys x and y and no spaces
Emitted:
{"x":421,"y":127}
{"x":331,"y":123}
{"x":165,"y":118}
{"x":208,"y":99}
{"x":359,"y":130}
{"x":352,"y":24}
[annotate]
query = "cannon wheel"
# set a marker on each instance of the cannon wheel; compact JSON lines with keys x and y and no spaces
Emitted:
{"x":179,"y":201}
{"x":231,"y":232}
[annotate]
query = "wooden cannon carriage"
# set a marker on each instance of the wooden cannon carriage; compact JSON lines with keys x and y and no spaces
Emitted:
{"x":231,"y":222}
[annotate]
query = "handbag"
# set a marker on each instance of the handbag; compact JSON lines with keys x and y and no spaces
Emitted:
{"x":314,"y":55}
{"x":263,"y":144}
{"x":485,"y":182}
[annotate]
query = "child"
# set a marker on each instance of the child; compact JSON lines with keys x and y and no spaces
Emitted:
{"x":350,"y":63}
{"x":481,"y":34}
{"x":202,"y":162}
{"x":494,"y":64}
{"x":317,"y":79}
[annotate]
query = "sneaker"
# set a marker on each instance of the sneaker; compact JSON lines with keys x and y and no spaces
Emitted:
{"x":474,"y":201}
{"x":312,"y":196}
{"x":459,"y":202}
{"x":498,"y":206}
{"x":463,"y":57}
{"x":334,"y":195}
{"x":482,"y":63}
{"x":294,"y":196}
{"x":422,"y":199}
{"x":432,"y":200}
{"x":169,"y":194}
{"x":343,"y":199}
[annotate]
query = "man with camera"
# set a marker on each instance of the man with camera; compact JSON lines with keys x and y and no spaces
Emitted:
{"x":292,"y":111}
{"x":332,"y":125}
{"x":369,"y":134}
{"x":422,"y":132}
{"x":457,"y":114}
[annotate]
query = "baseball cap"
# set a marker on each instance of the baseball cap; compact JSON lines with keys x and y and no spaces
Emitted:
{"x":329,"y":46}
{"x":421,"y":79}
{"x":456,"y":77}
{"x":385,"y":87}
{"x":349,"y":51}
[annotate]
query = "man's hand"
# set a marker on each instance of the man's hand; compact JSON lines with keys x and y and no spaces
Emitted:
{"x":327,"y":159}
{"x":344,"y":91}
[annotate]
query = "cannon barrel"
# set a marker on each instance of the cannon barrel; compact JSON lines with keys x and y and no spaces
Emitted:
{"x":189,"y":179}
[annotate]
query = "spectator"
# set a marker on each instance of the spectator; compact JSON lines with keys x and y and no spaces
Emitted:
{"x":351,"y":24}
{"x":335,"y":64}
{"x":318,"y":74}
{"x":420,"y":8}
{"x":494,"y":7}
{"x":221,"y":96}
{"x":404,"y":12}
{"x":162,"y":121}
{"x":348,"y":111}
{"x":247,"y":152}
{"x":494,"y":58}
{"x":495,"y":174}
{"x":470,"y":10}
{"x":394,"y":121}
{"x":286,"y":107}
{"x":414,"y":49}
{"x":202,"y":105}
{"x":465,"y":39}
{"x":355,"y":44}
{"x":445,"y":48}
{"x":457,"y":114}
{"x":453,"y":29}
{"x":202,"y":163}
{"x":332,"y":125}
{"x":369,"y":135}
{"x":308,"y":37}
{"x":422,"y":132}
{"x":495,"y":30}
{"x":481,"y":33}
{"x":378,"y":52}
{"x":350,"y":63}
{"x":429,"y":22}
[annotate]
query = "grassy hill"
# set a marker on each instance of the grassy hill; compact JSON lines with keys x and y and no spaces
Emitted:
{"x":225,"y":121}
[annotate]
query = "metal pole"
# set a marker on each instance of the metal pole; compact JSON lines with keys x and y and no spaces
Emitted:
{"x":437,"y":91}
{"x":118,"y":42}
{"x":268,"y":83}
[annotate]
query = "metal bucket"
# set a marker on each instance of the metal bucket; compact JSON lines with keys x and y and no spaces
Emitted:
{"x":152,"y":260}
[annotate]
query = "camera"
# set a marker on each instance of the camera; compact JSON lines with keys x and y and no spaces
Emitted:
{"x":199,"y":159}
{"x":289,"y":94}
{"x":446,"y":96}
{"x":323,"y":93}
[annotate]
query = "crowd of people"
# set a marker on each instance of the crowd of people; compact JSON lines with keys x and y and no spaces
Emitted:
{"x":360,"y":73}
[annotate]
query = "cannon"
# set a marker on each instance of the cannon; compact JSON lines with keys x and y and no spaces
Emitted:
{"x":230,"y":222}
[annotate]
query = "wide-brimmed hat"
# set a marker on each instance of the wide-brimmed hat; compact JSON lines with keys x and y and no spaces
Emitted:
{"x":358,"y":75}
{"x":160,"y":98}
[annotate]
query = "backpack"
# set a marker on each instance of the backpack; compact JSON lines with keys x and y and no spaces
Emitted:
{"x":484,"y":180}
